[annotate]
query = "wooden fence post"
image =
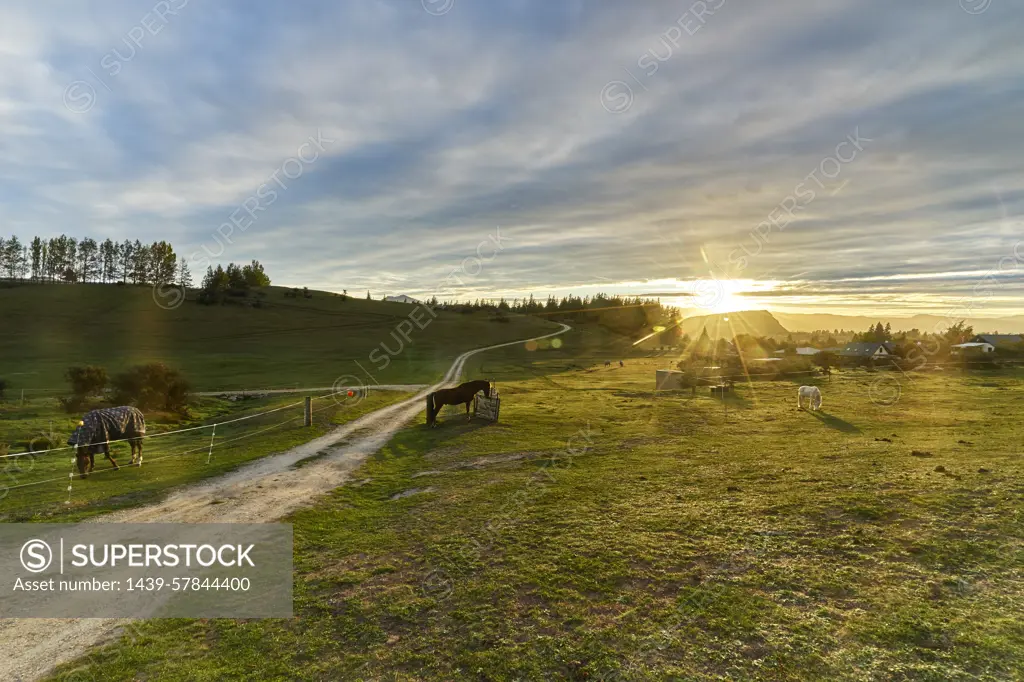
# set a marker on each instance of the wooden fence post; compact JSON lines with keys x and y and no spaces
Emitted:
{"x":308,"y":412}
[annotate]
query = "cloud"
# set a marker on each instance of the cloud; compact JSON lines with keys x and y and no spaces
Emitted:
{"x":447,"y":126}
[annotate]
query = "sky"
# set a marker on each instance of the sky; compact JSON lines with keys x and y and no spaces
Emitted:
{"x":848,"y":156}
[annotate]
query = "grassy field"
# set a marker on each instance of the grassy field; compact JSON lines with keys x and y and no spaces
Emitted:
{"x":286,"y":343}
{"x":603,"y":532}
{"x":34,"y":488}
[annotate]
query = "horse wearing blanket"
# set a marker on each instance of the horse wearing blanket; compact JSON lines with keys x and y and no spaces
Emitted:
{"x":99,"y":427}
{"x":463,"y":393}
{"x":813,"y":396}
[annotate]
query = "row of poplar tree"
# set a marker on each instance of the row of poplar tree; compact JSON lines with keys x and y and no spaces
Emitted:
{"x":66,"y":259}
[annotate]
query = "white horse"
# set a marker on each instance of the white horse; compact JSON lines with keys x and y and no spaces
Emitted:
{"x":813,"y":396}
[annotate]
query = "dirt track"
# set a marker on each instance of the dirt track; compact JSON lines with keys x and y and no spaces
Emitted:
{"x":262,"y":491}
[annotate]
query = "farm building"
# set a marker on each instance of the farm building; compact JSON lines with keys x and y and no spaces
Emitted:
{"x":973,"y":347}
{"x":865,"y":351}
{"x":807,"y":351}
{"x":667,"y":380}
{"x":999,"y":340}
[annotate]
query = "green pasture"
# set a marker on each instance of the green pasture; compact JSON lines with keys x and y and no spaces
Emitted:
{"x":601,"y":531}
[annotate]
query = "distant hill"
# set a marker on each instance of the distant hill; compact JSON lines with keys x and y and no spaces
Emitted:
{"x":286,"y":341}
{"x":401,"y":298}
{"x":804,"y":322}
{"x":727,"y":325}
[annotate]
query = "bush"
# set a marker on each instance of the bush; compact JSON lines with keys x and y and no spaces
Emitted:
{"x":152,"y":386}
{"x":86,"y":381}
{"x":793,"y":366}
{"x":72,"y":404}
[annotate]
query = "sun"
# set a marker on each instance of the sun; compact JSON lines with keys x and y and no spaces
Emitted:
{"x":718,"y":296}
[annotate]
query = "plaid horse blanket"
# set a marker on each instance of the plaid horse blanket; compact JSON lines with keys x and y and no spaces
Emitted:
{"x":107,"y":424}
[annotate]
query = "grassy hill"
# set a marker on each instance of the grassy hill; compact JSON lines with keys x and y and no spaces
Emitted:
{"x":286,"y":342}
{"x":727,"y":325}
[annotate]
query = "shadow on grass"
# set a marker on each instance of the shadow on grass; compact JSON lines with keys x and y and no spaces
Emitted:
{"x":734,"y":401}
{"x":834,"y":422}
{"x":454,"y":427}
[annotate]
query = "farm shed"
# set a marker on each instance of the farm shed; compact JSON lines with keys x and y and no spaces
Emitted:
{"x":973,"y":347}
{"x":668,"y":380}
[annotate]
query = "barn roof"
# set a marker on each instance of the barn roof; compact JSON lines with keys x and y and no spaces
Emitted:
{"x":862,"y":350}
{"x":998,"y":339}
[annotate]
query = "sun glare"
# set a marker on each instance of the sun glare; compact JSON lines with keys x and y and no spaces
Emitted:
{"x":718,"y":296}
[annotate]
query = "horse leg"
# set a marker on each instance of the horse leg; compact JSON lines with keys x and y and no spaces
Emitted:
{"x":106,"y":451}
{"x":434,"y":410}
{"x":92,"y":461}
{"x":469,"y":418}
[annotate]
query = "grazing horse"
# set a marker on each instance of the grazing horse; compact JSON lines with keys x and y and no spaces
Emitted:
{"x":99,"y":427}
{"x":813,"y":395}
{"x":463,"y":393}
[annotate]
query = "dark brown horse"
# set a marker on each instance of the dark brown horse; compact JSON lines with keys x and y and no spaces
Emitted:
{"x":463,"y":393}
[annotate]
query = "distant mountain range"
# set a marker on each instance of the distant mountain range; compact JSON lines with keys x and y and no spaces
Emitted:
{"x":809,"y":322}
{"x":764,"y":323}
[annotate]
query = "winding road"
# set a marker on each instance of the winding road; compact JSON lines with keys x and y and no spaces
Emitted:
{"x":260,"y":492}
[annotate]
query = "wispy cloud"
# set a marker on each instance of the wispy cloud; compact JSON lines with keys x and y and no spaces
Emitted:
{"x":450,"y":123}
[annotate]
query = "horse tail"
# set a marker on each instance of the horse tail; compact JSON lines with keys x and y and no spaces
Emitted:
{"x":431,"y":409}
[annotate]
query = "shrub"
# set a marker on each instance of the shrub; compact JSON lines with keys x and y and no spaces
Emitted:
{"x":152,"y":386}
{"x":792,"y":366}
{"x":826,"y":360}
{"x":41,"y":442}
{"x":72,"y":404}
{"x":86,"y":381}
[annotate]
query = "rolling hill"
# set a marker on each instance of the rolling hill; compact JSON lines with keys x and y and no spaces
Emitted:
{"x":286,"y":342}
{"x":727,"y":325}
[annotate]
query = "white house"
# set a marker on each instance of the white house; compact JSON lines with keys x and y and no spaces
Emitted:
{"x":999,"y":340}
{"x":865,"y":350}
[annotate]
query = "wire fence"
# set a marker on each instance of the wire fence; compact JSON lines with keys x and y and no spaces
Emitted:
{"x":27,"y":473}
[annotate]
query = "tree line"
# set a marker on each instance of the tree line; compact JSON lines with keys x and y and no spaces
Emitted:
{"x":624,"y":315}
{"x":70,"y":260}
{"x":235,"y":280}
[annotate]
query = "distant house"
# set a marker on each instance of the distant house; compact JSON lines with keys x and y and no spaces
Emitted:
{"x":973,"y":346}
{"x":998,"y":340}
{"x":865,"y":351}
{"x":401,"y":298}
